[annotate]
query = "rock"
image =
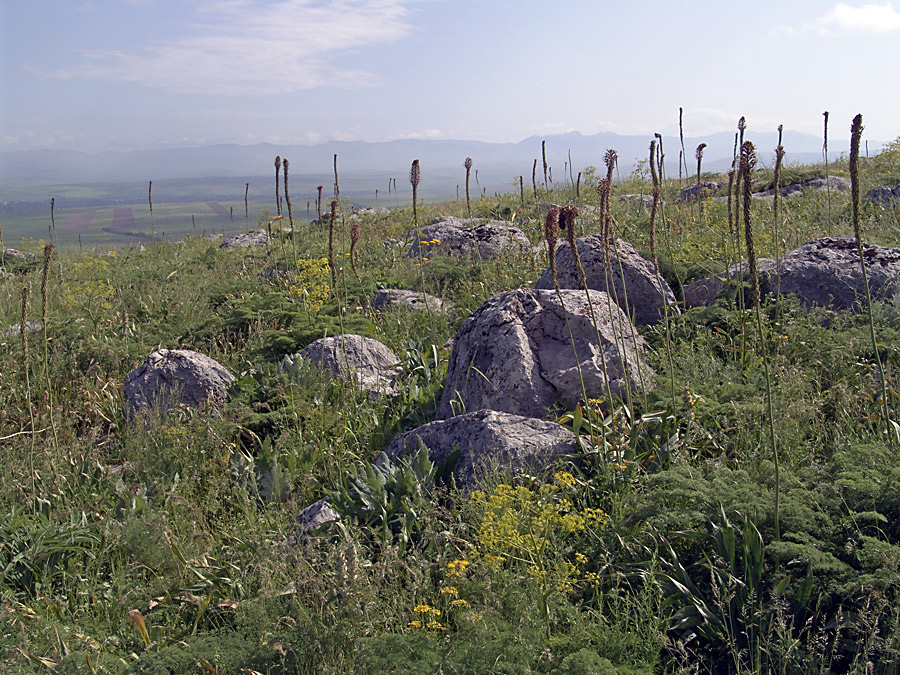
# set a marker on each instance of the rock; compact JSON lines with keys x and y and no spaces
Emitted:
{"x":14,"y":253}
{"x":315,"y":515}
{"x":647,"y":296}
{"x":837,"y":183}
{"x":488,"y":439}
{"x":645,"y":200}
{"x":703,"y":190}
{"x":884,"y":196}
{"x":170,"y":378}
{"x":373,"y":366}
{"x":30,"y":327}
{"x":246,"y":240}
{"x":450,"y":236}
{"x":515,"y":354}
{"x":387,"y":297}
{"x":824,"y":272}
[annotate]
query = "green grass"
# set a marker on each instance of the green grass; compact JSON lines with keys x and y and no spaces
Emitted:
{"x":191,"y":523}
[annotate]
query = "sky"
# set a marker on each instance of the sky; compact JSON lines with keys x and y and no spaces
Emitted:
{"x":136,"y":74}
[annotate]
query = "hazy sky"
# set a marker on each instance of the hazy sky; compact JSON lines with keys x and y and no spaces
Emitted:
{"x":120,"y":74}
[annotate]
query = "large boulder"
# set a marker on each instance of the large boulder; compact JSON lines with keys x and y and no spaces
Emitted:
{"x":365,"y":361}
{"x":883,"y":196}
{"x":171,"y":378}
{"x":453,"y":236}
{"x":630,"y":278}
{"x":824,"y":272}
{"x":487,"y":440}
{"x":515,"y":353}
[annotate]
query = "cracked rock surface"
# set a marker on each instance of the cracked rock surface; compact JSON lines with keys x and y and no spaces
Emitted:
{"x":170,"y":378}
{"x":632,"y":281}
{"x":488,"y":439}
{"x":515,"y":354}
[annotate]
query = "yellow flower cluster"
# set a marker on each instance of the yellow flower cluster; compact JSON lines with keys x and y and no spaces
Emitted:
{"x":89,"y":288}
{"x":311,"y":282}
{"x":523,"y":526}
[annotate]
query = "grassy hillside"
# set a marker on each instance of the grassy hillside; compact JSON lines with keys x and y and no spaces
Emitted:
{"x":170,"y":546}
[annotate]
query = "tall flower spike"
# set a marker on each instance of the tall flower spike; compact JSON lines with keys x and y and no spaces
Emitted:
{"x":415,"y":173}
{"x":551,"y":229}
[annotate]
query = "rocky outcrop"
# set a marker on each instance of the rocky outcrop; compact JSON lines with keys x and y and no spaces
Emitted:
{"x":630,"y":278}
{"x":314,"y":516}
{"x":515,"y":354}
{"x":825,"y":273}
{"x":453,"y":237}
{"x":365,"y":361}
{"x":172,"y":378}
{"x":486,"y":440}
{"x":834,"y":183}
{"x":884,"y":196}
{"x":246,"y":240}
{"x":396,"y":297}
{"x":702,"y":190}
{"x":30,"y":327}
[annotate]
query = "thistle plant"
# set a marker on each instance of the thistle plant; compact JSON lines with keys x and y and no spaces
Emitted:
{"x":415,"y":175}
{"x":827,"y":181}
{"x":699,"y":155}
{"x":354,"y":238}
{"x":544,"y":159}
{"x":287,"y":198}
{"x":748,"y":162}
{"x":278,"y":184}
{"x":319,"y":202}
{"x":534,"y":179}
{"x":522,"y":191}
{"x":45,"y":277}
{"x":331,"y":220}
{"x":51,"y":231}
{"x":660,"y":156}
{"x":683,"y":155}
{"x":246,"y":202}
{"x":468,"y":165}
{"x":152,"y":223}
{"x":856,"y":130}
{"x":337,"y":185}
{"x":779,"y":157}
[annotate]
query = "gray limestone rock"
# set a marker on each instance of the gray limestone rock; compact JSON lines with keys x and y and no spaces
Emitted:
{"x":452,"y":236}
{"x":632,"y":277}
{"x":515,"y":354}
{"x":488,"y":440}
{"x":884,"y":196}
{"x":246,"y":240}
{"x":824,"y":272}
{"x":171,"y":378}
{"x":388,"y":297}
{"x":371,"y":365}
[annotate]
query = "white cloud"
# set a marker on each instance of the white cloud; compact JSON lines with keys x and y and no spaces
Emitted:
{"x":247,"y":48}
{"x":843,"y":19}
{"x":425,"y":134}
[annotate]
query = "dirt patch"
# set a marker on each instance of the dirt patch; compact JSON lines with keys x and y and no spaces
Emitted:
{"x":219,"y":209}
{"x":123,"y":220}
{"x":76,"y":223}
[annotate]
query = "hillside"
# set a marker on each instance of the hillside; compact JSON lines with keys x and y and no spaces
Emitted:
{"x":725,"y":501}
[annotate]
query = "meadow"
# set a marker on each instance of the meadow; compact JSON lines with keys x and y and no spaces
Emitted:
{"x":742,"y":517}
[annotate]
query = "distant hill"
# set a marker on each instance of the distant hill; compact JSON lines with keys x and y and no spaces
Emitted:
{"x":370,"y":165}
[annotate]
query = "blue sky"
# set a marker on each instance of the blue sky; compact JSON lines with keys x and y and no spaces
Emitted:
{"x":123,"y":74}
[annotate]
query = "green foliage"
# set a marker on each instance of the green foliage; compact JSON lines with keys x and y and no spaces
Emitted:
{"x":388,"y":497}
{"x":190,"y":522}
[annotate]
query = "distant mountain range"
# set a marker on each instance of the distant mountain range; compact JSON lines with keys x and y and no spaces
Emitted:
{"x":369,"y":166}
